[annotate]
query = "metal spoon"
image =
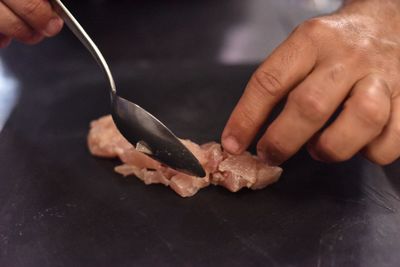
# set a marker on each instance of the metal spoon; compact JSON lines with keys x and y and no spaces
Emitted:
{"x":137,"y":125}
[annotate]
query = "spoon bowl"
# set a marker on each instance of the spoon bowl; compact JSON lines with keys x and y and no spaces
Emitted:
{"x":138,"y":126}
{"x":152,"y":137}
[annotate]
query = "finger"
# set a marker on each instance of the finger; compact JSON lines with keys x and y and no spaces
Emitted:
{"x":386,"y":147}
{"x":4,"y":41}
{"x":38,"y":14}
{"x":14,"y":27}
{"x":363,"y":118}
{"x":282,"y":70}
{"x":308,"y":108}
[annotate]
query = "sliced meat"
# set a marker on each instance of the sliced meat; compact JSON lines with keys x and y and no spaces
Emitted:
{"x":214,"y":156}
{"x":196,"y":150}
{"x":146,"y":175}
{"x":126,"y":170}
{"x":155,"y":177}
{"x":187,"y":186}
{"x":266,"y":175}
{"x":217,"y":178}
{"x":237,"y":172}
{"x":133,"y":157}
{"x":230,"y":171}
{"x":104,"y":139}
{"x":168,"y":172}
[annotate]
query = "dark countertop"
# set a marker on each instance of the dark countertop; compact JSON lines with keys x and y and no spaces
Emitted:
{"x":179,"y":59}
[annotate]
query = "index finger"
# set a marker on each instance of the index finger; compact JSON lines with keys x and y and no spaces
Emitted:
{"x":38,"y":14}
{"x":288,"y":65}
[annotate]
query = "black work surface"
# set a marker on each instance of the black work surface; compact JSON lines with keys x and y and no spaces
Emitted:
{"x":59,"y":206}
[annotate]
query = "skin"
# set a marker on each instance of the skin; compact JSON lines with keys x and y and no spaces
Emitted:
{"x":28,"y":21}
{"x":347,"y":61}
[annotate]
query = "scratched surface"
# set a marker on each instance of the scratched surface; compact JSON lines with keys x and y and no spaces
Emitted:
{"x":61,"y":207}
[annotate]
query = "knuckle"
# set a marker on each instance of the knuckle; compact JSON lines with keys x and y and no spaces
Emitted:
{"x":272,"y":142}
{"x":371,"y":111}
{"x":31,"y":7}
{"x":268,"y":83}
{"x":336,"y":72}
{"x":291,"y":53}
{"x":246,"y":120}
{"x":19,"y":31}
{"x":365,"y":44}
{"x":379,"y":84}
{"x":359,"y":53}
{"x":312,"y":27}
{"x":309,"y":105}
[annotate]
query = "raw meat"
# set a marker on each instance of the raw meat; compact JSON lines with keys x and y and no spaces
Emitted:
{"x":213,"y":153}
{"x":233,"y":172}
{"x":237,"y":172}
{"x":104,"y":139}
{"x":186,"y":185}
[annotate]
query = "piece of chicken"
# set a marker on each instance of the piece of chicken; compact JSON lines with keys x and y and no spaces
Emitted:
{"x":233,"y":172}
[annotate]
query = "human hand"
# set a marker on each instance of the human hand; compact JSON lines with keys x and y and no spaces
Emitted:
{"x":351,"y":57}
{"x":28,"y":21}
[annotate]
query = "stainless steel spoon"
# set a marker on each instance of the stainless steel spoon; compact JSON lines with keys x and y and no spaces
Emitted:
{"x":137,"y":125}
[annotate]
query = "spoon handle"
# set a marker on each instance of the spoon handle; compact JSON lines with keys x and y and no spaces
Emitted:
{"x":81,"y":34}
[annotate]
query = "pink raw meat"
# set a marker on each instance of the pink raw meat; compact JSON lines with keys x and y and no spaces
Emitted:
{"x":146,"y":175}
{"x":126,"y":170}
{"x":187,"y":186}
{"x":237,"y":172}
{"x":213,"y":153}
{"x":233,"y":172}
{"x":133,"y":157}
{"x":196,"y":150}
{"x":104,"y":139}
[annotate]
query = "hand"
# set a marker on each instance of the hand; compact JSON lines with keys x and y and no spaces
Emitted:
{"x":28,"y":21}
{"x":348,"y":60}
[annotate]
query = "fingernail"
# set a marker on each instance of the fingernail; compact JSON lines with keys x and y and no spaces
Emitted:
{"x":53,"y":27}
{"x":231,"y":144}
